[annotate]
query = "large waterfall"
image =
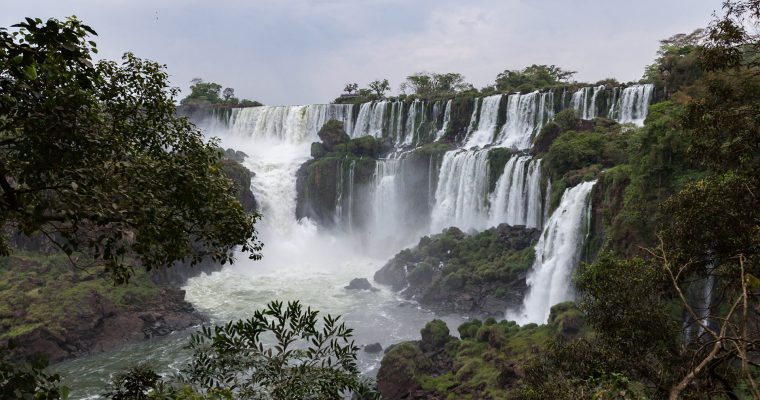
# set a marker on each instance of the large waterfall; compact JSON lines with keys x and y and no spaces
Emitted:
{"x":293,"y":124}
{"x":557,"y":254}
{"x":487,"y":122}
{"x":634,"y":104}
{"x":462,"y":191}
{"x":516,"y":199}
{"x":526,"y":114}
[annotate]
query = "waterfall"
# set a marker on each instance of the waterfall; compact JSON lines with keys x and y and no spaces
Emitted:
{"x":339,"y":194}
{"x":386,"y":200}
{"x":612,"y":102}
{"x":293,"y":124}
{"x":594,"y":107}
{"x":634,"y":104}
{"x":460,"y":198}
{"x":516,"y":199}
{"x":446,"y":121}
{"x":584,"y":101}
{"x":376,"y":119}
{"x":579,"y":102}
{"x":487,"y":123}
{"x":473,"y":118}
{"x":411,"y":123}
{"x":370,"y":120}
{"x":557,"y":254}
{"x":526,"y":114}
{"x":351,"y":169}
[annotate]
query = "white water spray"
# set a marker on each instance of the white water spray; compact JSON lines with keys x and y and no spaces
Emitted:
{"x":557,"y":255}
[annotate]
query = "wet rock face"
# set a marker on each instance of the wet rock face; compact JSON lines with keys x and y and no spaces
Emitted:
{"x":373,"y":348}
{"x":360,"y":284}
{"x":106,"y":326}
{"x":482,"y":273}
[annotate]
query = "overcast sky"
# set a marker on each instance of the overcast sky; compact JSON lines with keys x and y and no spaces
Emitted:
{"x":304,"y":51}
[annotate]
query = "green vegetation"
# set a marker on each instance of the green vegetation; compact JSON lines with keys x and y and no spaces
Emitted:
{"x":312,"y":357}
{"x":43,"y":290}
{"x":429,"y":85}
{"x":206,"y":94}
{"x":483,"y":272}
{"x":486,"y":362}
{"x":535,"y":77}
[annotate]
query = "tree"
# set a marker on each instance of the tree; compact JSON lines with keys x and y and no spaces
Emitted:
{"x":380,"y":87}
{"x":426,"y":84}
{"x":715,"y":220}
{"x":311,"y":358}
{"x":351,"y":87}
{"x":203,"y":93}
{"x":532,"y":78}
{"x":677,"y":63}
{"x":94,"y":158}
{"x":228,"y":94}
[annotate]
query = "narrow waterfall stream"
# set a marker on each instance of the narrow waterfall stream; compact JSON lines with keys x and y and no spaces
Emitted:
{"x":557,"y":254}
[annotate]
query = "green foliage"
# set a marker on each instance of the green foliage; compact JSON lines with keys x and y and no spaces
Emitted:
{"x":29,"y":381}
{"x":677,"y":64}
{"x":206,"y":94}
{"x":435,"y":335}
{"x":486,"y":362}
{"x":379,"y":87}
{"x":427,"y":85}
{"x":282,"y":352}
{"x":93,"y":157}
{"x":573,"y":151}
{"x":534,"y":77}
{"x":307,"y":360}
{"x":497,"y":159}
{"x":134,"y":384}
{"x":332,"y":134}
{"x":351,"y":87}
{"x":41,"y":291}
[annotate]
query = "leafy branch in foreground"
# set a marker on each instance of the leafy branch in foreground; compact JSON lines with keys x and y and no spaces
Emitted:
{"x":282,"y":352}
{"x":306,"y":361}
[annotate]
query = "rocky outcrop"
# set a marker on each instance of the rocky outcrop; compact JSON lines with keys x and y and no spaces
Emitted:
{"x":48,"y":308}
{"x":339,"y":163}
{"x":482,"y":273}
{"x":97,"y":324}
{"x":487,"y":361}
{"x":403,"y":366}
{"x":361,"y":284}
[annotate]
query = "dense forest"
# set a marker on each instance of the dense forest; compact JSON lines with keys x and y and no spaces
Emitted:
{"x":112,"y":198}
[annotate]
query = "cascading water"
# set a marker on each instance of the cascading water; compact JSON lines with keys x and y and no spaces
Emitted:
{"x":634,"y":104}
{"x":370,"y":120}
{"x":580,"y":102}
{"x":460,"y":199}
{"x":487,"y":123}
{"x":526,"y":114}
{"x":516,"y":199}
{"x":446,"y":121}
{"x":411,"y":123}
{"x":557,"y":254}
{"x":474,"y":118}
{"x":292,"y":124}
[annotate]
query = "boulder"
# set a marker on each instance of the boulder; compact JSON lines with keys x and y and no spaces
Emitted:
{"x":332,"y":134}
{"x":360,"y":284}
{"x":373,"y":348}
